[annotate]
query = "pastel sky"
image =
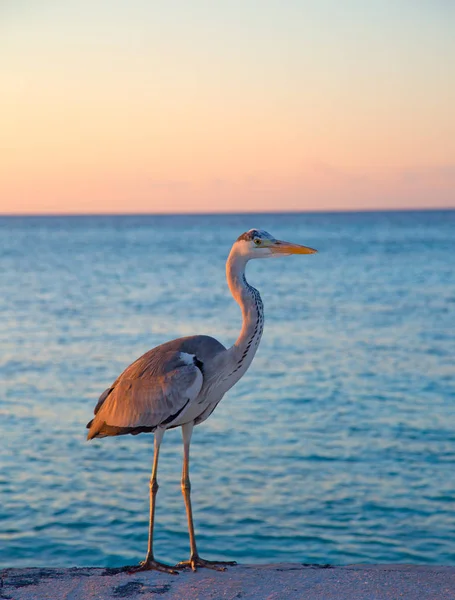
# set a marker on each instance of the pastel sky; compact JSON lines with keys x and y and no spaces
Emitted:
{"x":203,"y":106}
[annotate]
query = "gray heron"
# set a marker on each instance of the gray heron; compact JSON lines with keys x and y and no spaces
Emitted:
{"x":180,"y":383}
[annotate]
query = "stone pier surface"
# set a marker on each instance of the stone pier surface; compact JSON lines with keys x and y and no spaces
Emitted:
{"x":258,"y":582}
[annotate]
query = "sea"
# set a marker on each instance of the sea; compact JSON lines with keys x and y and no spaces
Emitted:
{"x":338,"y":444}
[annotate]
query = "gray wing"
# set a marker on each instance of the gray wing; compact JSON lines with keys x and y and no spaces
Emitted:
{"x":151,"y":392}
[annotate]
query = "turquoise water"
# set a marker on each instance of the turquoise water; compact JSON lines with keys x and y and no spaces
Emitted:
{"x":337,"y":446}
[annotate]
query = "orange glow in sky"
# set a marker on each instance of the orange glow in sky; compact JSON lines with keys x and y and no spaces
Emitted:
{"x":245,"y":105}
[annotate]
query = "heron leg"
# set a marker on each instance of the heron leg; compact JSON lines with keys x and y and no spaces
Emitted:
{"x":195,"y":560}
{"x":150,"y":563}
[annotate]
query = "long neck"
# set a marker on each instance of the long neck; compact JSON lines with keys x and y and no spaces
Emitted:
{"x":242,"y":352}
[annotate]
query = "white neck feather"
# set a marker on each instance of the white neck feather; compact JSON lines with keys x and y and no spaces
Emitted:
{"x":240,"y":355}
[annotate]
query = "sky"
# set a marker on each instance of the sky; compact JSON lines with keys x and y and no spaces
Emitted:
{"x":109,"y":106}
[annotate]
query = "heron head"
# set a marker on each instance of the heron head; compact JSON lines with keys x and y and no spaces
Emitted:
{"x":257,"y":243}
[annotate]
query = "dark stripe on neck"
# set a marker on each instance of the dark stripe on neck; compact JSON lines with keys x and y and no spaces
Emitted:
{"x":258,"y":326}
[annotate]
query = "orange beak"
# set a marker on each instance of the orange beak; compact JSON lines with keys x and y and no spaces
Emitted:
{"x":279,"y":247}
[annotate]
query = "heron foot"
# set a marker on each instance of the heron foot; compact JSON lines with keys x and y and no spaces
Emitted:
{"x":196,"y":561}
{"x":150,"y":564}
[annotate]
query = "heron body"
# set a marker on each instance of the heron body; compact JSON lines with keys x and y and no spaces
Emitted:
{"x":180,"y":382}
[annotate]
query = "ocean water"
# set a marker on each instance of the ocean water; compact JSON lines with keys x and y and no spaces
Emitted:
{"x":337,"y":446}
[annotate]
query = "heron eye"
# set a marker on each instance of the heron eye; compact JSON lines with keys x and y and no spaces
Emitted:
{"x":257,"y":241}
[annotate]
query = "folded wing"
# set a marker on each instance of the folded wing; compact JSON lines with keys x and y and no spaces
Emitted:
{"x":152,"y":392}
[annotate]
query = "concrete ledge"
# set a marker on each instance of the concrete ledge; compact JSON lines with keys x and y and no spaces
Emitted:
{"x":255,"y":582}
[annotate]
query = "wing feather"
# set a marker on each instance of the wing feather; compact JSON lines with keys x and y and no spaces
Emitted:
{"x":152,"y":391}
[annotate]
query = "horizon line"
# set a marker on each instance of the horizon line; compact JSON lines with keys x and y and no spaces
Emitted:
{"x":225,"y":213}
